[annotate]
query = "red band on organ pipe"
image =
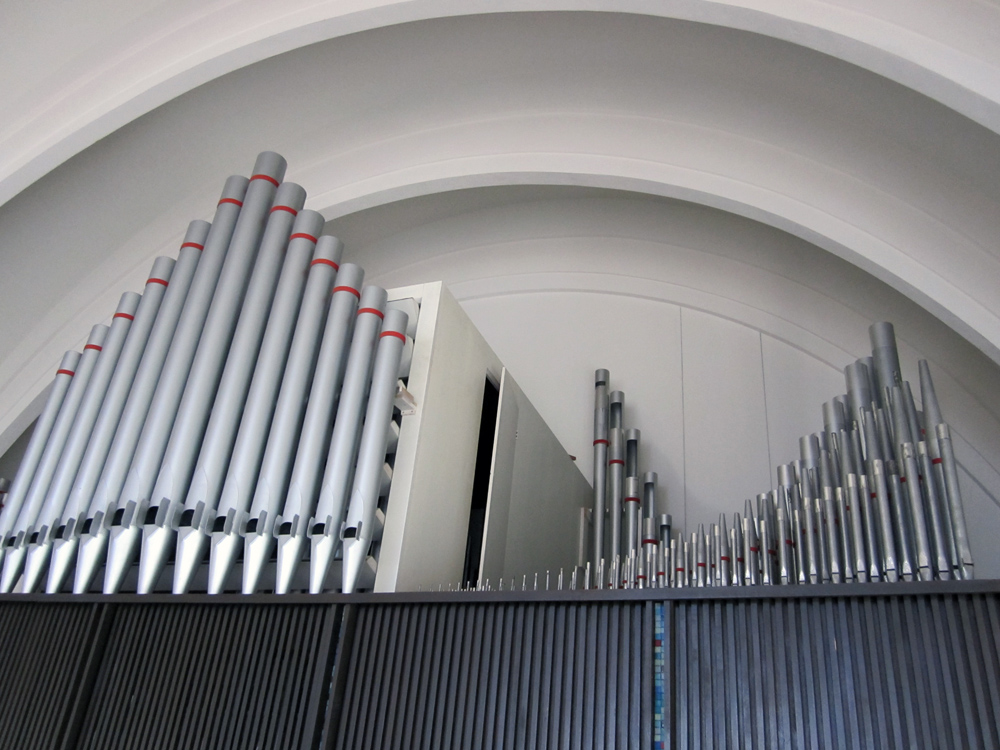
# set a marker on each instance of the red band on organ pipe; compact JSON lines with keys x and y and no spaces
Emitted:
{"x":265,"y":177}
{"x":371,"y":310}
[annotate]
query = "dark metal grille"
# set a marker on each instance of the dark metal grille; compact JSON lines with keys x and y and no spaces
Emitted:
{"x":885,"y":672}
{"x":45,"y":650}
{"x":550,"y":675}
{"x":207,"y":677}
{"x":890,"y":666}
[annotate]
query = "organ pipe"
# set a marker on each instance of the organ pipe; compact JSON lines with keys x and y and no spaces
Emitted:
{"x":247,"y":399}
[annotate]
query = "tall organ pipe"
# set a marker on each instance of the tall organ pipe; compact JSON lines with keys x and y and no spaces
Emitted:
{"x":601,"y":422}
{"x":103,"y":500}
{"x":344,"y":442}
{"x":76,"y":443}
{"x":64,"y":545}
{"x":23,"y":527}
{"x":888,"y":373}
{"x":616,"y":471}
{"x":148,"y":455}
{"x":955,"y":499}
{"x":255,"y":423}
{"x":19,"y":486}
{"x":272,"y":480}
{"x":633,"y":515}
{"x":202,"y":496}
{"x":202,"y":383}
{"x":359,"y":530}
{"x":346,"y":311}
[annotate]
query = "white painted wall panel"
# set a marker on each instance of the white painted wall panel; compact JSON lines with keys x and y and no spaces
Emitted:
{"x":725,"y":425}
{"x":796,"y":384}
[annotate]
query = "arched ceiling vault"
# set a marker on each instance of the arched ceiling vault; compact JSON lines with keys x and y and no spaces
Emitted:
{"x":871,"y":134}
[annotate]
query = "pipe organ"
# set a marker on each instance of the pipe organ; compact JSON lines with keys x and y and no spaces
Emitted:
{"x":259,"y":419}
{"x":239,"y":426}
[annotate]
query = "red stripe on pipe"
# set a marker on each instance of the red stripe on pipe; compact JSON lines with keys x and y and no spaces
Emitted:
{"x":650,"y":541}
{"x":265,"y":177}
{"x":231,"y":200}
{"x":95,"y":347}
{"x":325,"y":262}
{"x":157,"y":281}
{"x":600,"y":442}
{"x":679,"y":570}
{"x":371,"y":310}
{"x":700,"y":565}
{"x":65,"y":372}
{"x":902,"y":479}
{"x":936,"y":460}
{"x":195,"y":245}
{"x":289,"y":209}
{"x":397,"y":334}
{"x":631,"y":499}
{"x":305,"y":236}
{"x":789,"y":542}
{"x":123,"y":315}
{"x":724,"y":558}
{"x":616,"y":461}
{"x":755,"y":549}
{"x":350,"y":289}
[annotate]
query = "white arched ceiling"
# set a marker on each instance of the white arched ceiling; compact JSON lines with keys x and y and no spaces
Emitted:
{"x":869,"y":143}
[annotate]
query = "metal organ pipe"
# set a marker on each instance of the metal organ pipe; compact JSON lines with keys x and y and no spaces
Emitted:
{"x":19,"y":486}
{"x":343,"y":451}
{"x":347,"y":311}
{"x":272,"y":481}
{"x":248,"y":395}
{"x":24,"y":526}
{"x":69,"y":462}
{"x":84,"y":483}
{"x":601,"y":424}
{"x":201,"y":384}
{"x":261,"y":400}
{"x":149,"y":451}
{"x":103,"y":501}
{"x":359,"y":531}
{"x":202,"y":495}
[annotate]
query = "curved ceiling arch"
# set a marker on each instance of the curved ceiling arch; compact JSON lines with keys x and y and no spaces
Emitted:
{"x":947,"y":53}
{"x":813,"y":146}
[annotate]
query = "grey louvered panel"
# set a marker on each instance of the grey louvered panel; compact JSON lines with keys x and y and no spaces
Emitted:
{"x":852,"y":672}
{"x":188,"y":676}
{"x":45,"y":651}
{"x":499,"y":675}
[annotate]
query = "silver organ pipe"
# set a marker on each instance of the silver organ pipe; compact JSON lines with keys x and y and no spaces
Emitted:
{"x":242,"y":407}
{"x":24,"y":526}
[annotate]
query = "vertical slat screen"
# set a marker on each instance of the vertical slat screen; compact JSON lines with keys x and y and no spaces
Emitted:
{"x":514,"y":675}
{"x":851,"y":672}
{"x":205,"y":676}
{"x":44,"y":652}
{"x":572,"y":670}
